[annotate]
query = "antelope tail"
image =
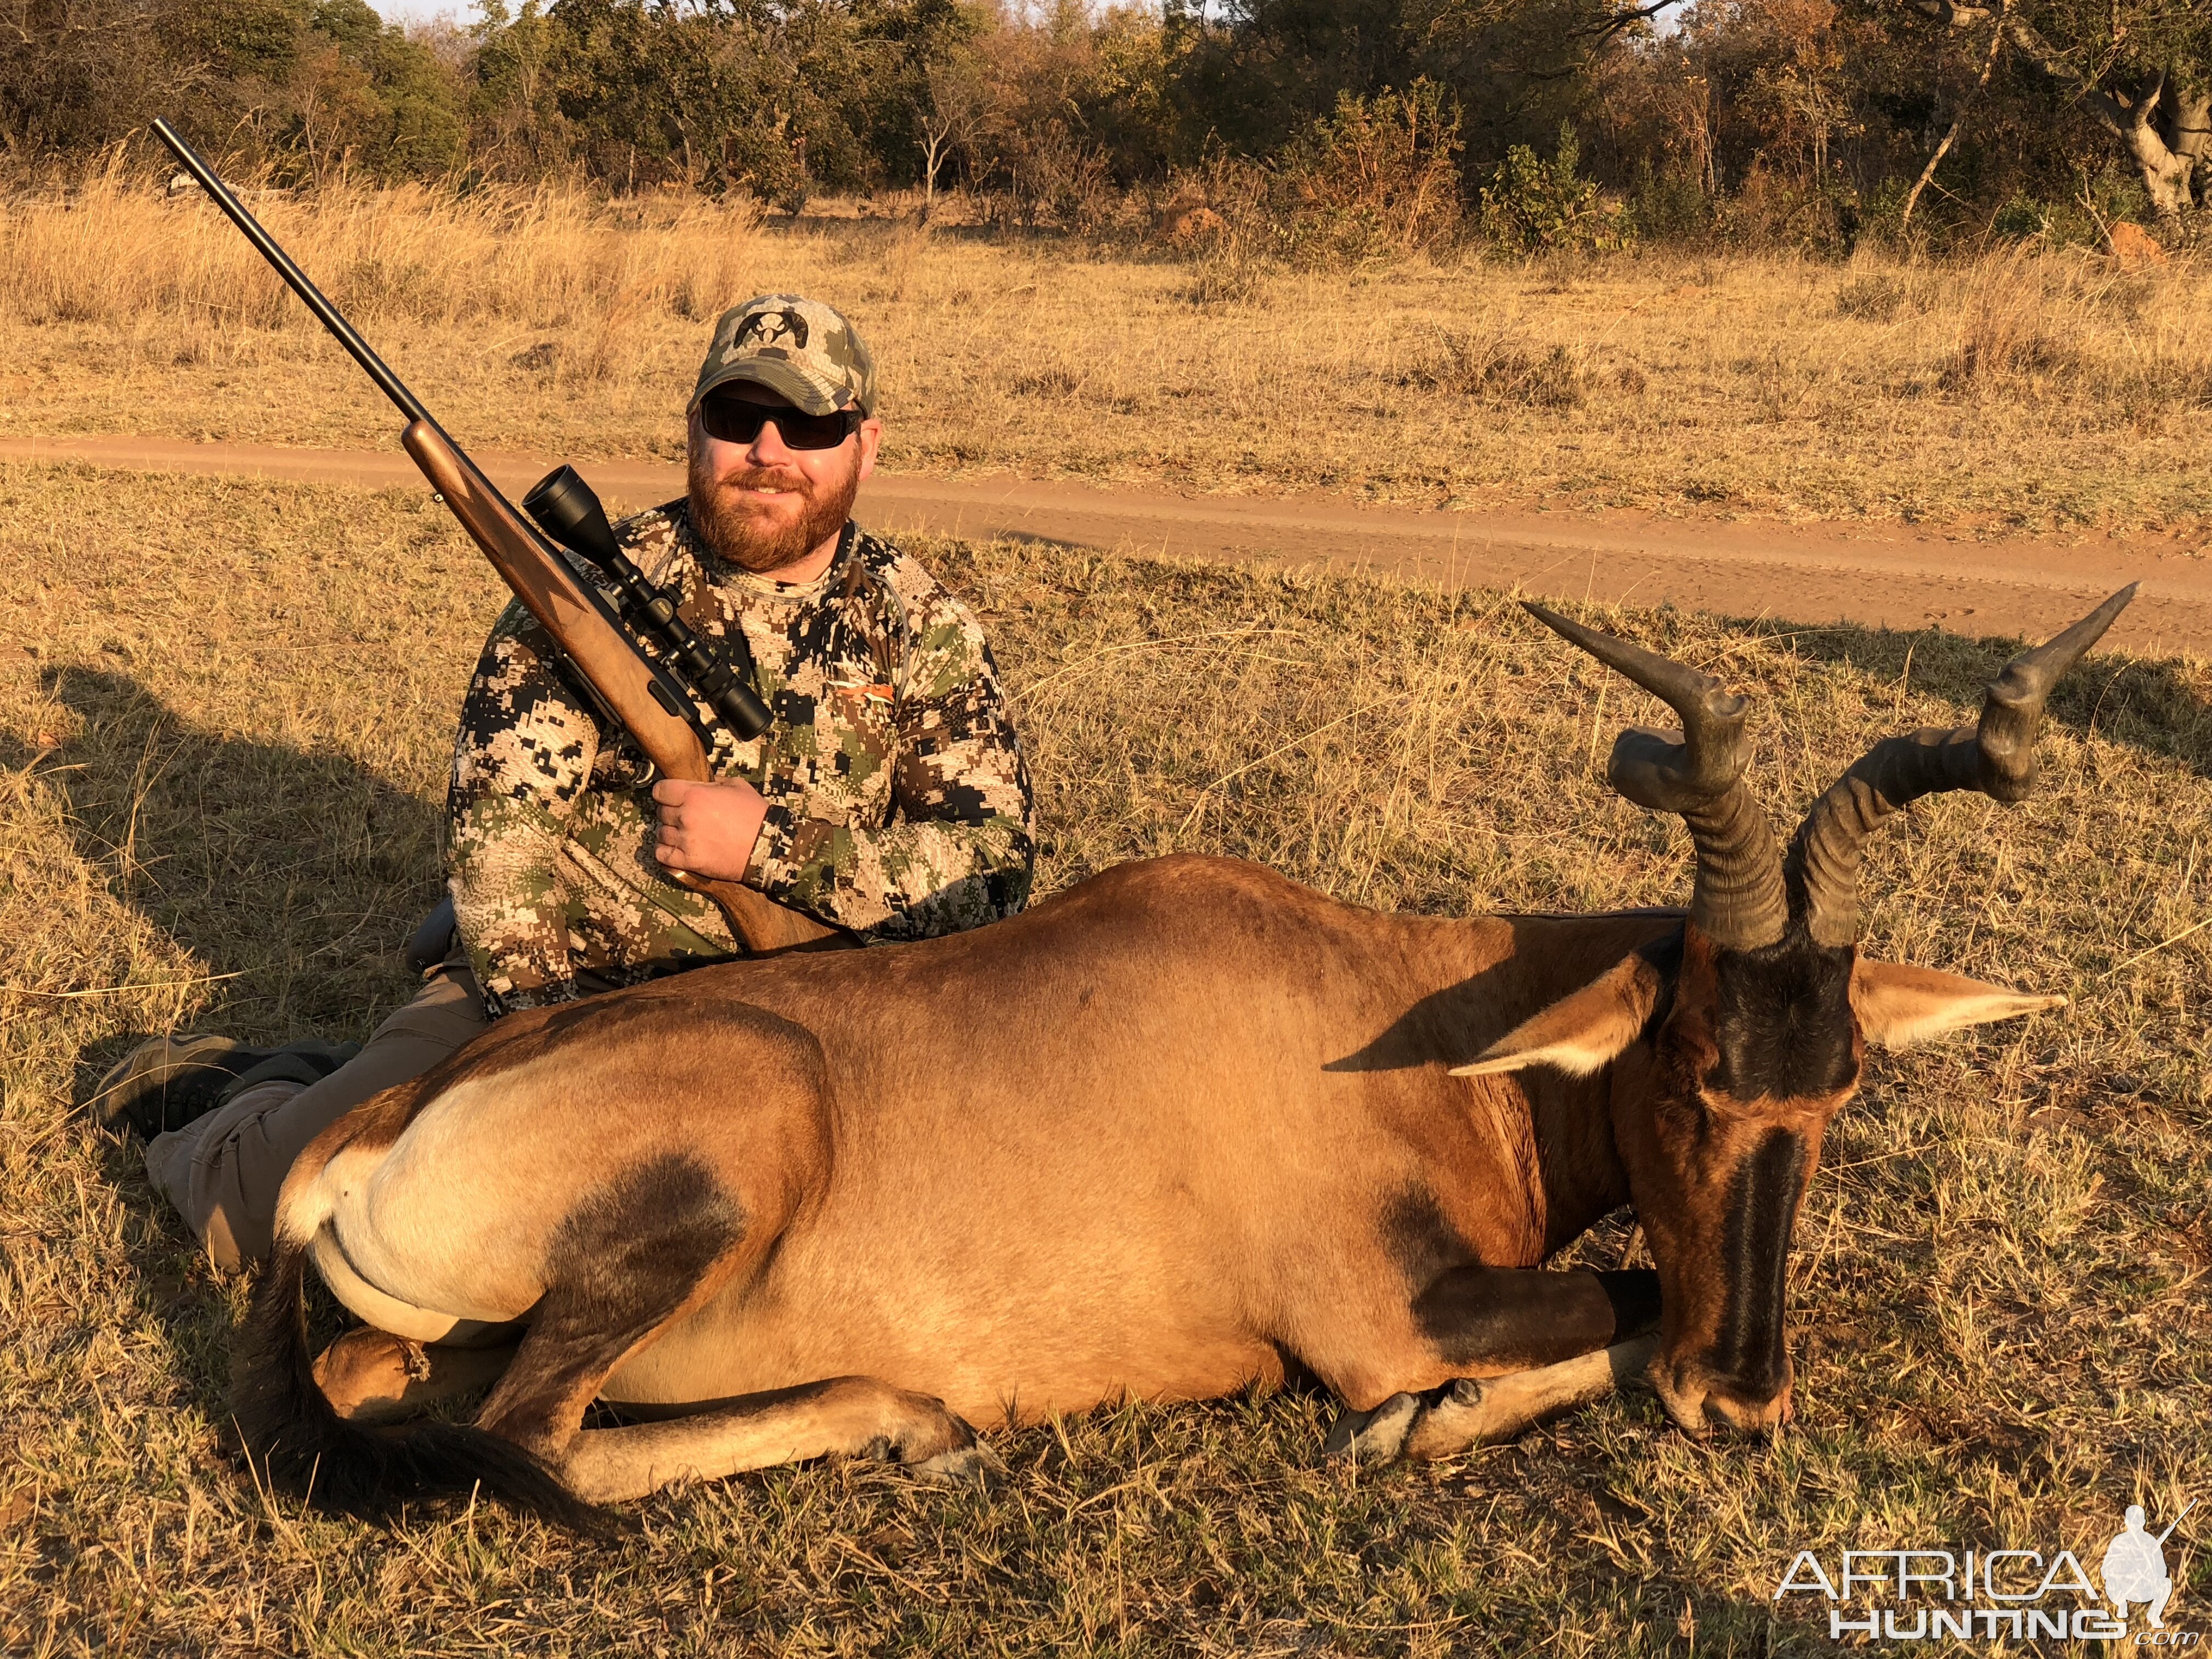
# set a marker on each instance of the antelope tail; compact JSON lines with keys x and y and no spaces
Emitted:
{"x":291,"y":1429}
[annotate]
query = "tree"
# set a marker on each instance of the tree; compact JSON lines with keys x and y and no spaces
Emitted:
{"x":2141,"y":68}
{"x":367,"y":91}
{"x":1515,"y":68}
{"x":1958,"y":122}
{"x":948,"y":116}
{"x":515,"y":107}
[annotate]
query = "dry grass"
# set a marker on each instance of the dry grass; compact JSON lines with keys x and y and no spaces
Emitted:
{"x":2022,"y":391}
{"x":224,"y":713}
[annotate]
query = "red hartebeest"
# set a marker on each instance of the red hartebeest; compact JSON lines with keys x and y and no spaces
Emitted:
{"x":1184,"y":1127}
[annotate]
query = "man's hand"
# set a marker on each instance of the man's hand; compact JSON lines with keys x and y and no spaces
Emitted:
{"x":708,"y":828}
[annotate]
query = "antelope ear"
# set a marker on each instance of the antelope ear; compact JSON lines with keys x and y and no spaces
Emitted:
{"x":1899,"y":1004}
{"x":1581,"y":1032}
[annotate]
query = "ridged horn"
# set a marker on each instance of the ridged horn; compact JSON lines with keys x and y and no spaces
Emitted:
{"x":1738,"y":900}
{"x":1996,"y":756}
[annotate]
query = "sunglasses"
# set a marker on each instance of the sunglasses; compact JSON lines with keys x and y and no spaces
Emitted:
{"x":736,"y":421}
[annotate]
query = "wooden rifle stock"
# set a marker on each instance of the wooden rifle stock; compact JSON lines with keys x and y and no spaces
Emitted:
{"x":581,"y":624}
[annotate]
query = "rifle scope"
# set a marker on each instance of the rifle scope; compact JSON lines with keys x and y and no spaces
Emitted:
{"x":566,"y":510}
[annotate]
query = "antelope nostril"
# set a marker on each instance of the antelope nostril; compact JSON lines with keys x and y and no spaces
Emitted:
{"x":1683,"y":1400}
{"x":1748,"y":1417}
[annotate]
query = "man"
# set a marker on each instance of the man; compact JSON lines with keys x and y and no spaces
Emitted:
{"x":2135,"y":1571}
{"x":888,"y":797}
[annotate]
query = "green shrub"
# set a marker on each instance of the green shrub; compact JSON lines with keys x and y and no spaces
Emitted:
{"x":1534,"y":206}
{"x":1665,"y":207}
{"x":2021,"y":220}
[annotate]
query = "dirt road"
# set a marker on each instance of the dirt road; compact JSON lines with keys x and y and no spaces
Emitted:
{"x":1897,"y":575}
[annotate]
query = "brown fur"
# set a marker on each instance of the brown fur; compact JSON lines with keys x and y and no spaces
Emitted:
{"x":1180,"y":1129}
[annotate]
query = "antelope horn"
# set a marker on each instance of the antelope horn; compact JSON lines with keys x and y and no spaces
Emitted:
{"x":1738,"y":901}
{"x":1996,"y":756}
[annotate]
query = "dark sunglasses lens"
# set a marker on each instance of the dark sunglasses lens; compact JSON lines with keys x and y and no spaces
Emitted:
{"x":732,"y":422}
{"x":735,"y":422}
{"x":813,"y":431}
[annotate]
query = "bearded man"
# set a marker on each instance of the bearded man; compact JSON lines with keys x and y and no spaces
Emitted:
{"x":887,"y":798}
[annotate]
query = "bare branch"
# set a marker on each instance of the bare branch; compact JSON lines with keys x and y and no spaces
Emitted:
{"x":1626,"y":18}
{"x":1989,"y":63}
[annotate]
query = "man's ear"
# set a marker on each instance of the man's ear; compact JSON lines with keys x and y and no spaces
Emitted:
{"x":1898,"y":1004}
{"x":1581,"y":1032}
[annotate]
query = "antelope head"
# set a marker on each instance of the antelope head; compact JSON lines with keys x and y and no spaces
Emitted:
{"x":1732,"y":1045}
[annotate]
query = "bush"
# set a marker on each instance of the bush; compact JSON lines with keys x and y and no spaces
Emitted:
{"x":1534,"y":206}
{"x":2020,"y":220}
{"x":1377,"y":179}
{"x":1825,"y":218}
{"x":1501,"y":369}
{"x":1667,"y":206}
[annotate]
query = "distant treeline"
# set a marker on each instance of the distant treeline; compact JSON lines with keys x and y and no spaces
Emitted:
{"x":1355,"y":126}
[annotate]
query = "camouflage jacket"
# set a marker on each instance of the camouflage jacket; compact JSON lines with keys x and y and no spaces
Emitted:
{"x":897,"y":803}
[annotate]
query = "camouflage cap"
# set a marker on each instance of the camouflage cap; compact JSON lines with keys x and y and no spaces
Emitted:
{"x":799,"y":348}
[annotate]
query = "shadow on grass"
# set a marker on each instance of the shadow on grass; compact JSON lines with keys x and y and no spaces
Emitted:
{"x":2159,"y":707}
{"x":292,"y":877}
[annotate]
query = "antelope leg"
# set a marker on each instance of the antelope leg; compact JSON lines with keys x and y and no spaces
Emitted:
{"x":1530,"y":1342}
{"x":1481,"y":1413}
{"x":371,"y":1377}
{"x":854,"y":1416}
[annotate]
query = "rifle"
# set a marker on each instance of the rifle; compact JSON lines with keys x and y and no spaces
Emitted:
{"x":2168,"y":1532}
{"x":651,"y":692}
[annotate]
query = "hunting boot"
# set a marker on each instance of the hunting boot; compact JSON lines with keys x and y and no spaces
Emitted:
{"x":167,"y":1082}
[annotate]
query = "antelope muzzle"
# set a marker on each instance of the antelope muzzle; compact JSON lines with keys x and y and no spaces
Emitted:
{"x":1725,"y":1358}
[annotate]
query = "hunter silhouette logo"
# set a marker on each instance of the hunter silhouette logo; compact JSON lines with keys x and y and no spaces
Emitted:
{"x":2134,"y":1567}
{"x":770,"y":328}
{"x":1998,"y":1593}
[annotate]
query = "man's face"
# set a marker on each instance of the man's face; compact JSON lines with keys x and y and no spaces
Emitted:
{"x":767,"y":506}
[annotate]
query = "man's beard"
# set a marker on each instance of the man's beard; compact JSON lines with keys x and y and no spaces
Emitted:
{"x":752,"y":540}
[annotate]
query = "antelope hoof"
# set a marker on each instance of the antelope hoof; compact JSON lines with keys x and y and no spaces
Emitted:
{"x":1462,"y":1416}
{"x":1374,"y":1436}
{"x":973,"y":1465}
{"x":948,"y":1452}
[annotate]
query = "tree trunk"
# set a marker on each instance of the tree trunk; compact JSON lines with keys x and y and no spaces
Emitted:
{"x":2166,"y":174}
{"x":1989,"y":63}
{"x":2188,"y":129}
{"x":2166,"y":161}
{"x":932,"y":154}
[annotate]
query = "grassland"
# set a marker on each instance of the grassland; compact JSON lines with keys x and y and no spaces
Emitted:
{"x":224,"y":713}
{"x":2018,"y":392}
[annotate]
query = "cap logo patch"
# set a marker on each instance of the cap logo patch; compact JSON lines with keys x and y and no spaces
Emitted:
{"x":770,"y":328}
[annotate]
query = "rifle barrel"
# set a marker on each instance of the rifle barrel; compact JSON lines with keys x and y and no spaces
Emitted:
{"x":325,"y":313}
{"x":2168,"y":1532}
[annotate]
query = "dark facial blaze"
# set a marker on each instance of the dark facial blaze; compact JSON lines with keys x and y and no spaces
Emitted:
{"x":1749,"y":1356}
{"x":1782,"y":1022}
{"x":1785,"y":1031}
{"x":1776,"y":1049}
